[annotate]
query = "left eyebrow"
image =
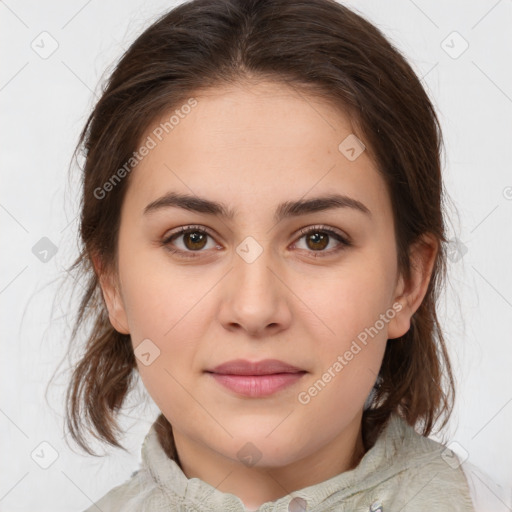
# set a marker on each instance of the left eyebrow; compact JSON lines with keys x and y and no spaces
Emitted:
{"x":284,"y":210}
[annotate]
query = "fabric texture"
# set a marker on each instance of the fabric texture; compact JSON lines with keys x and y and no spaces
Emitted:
{"x":403,"y":471}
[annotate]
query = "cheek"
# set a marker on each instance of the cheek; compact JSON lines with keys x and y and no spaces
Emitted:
{"x":170,"y":347}
{"x":350,"y":300}
{"x":158,"y":296}
{"x":160,"y":314}
{"x":169,"y":318}
{"x":351,"y":336}
{"x":349,"y":361}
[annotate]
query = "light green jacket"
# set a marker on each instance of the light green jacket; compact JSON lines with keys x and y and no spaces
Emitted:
{"x":402,"y":472}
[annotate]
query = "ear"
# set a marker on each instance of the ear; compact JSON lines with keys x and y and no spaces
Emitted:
{"x":410,"y":294}
{"x":112,"y":297}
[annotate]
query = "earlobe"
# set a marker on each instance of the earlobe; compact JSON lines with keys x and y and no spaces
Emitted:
{"x":401,"y":322}
{"x":411,"y":294}
{"x":112,"y":298}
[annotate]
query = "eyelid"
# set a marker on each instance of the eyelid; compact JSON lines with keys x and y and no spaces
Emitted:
{"x":343,"y":239}
{"x":302,"y":231}
{"x":186,"y":229}
{"x":326,"y":229}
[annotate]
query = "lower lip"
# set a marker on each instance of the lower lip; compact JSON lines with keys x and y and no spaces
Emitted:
{"x":257,"y":385}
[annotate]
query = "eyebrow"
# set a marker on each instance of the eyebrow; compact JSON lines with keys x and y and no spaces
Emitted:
{"x":284,"y":210}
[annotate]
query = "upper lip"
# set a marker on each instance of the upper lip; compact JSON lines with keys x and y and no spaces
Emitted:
{"x":264,"y":367}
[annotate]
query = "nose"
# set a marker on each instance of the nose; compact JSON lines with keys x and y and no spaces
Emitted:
{"x":255,"y":296}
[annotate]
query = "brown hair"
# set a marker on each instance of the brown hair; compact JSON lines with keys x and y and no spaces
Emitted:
{"x":318,"y":47}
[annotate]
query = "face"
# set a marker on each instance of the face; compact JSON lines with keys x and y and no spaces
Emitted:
{"x":312,"y":284}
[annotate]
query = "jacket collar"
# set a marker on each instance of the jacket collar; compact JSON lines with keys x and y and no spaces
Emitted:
{"x":378,"y":464}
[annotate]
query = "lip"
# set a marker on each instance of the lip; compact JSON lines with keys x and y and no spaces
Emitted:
{"x":264,"y":367}
{"x":256,"y":379}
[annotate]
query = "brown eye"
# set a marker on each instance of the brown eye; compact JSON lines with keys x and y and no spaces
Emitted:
{"x":317,"y":241}
{"x":187,"y":241}
{"x":318,"y":238}
{"x":194,"y":240}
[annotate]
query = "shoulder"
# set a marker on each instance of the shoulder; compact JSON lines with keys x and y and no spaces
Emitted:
{"x":452,"y":472}
{"x":130,"y":495}
{"x":430,"y":473}
{"x":421,"y":473}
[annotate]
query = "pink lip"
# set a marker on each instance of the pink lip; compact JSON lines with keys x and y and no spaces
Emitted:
{"x":258,"y":379}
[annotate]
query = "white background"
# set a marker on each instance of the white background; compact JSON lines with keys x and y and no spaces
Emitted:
{"x":45,"y":102}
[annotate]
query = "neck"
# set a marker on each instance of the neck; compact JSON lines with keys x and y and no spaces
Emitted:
{"x":257,"y":484}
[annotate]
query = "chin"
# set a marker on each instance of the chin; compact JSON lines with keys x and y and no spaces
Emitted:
{"x":262,"y":450}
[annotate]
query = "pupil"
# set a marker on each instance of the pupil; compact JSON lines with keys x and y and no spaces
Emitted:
{"x":319,"y":238}
{"x":196,"y":238}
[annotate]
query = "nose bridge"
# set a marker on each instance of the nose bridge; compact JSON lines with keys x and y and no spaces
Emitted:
{"x":252,"y":273}
{"x":257,"y":297}
{"x":252,"y":266}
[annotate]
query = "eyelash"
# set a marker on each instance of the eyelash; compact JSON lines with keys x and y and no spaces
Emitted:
{"x":344,"y":242}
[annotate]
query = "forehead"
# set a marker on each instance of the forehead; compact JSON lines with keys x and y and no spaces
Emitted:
{"x":253,"y":145}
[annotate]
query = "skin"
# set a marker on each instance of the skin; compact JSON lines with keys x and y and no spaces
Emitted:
{"x":253,"y":147}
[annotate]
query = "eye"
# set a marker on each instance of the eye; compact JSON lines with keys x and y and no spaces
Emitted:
{"x":194,"y":239}
{"x":317,"y":238}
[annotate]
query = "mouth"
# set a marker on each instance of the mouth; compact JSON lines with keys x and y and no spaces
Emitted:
{"x":256,"y":379}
